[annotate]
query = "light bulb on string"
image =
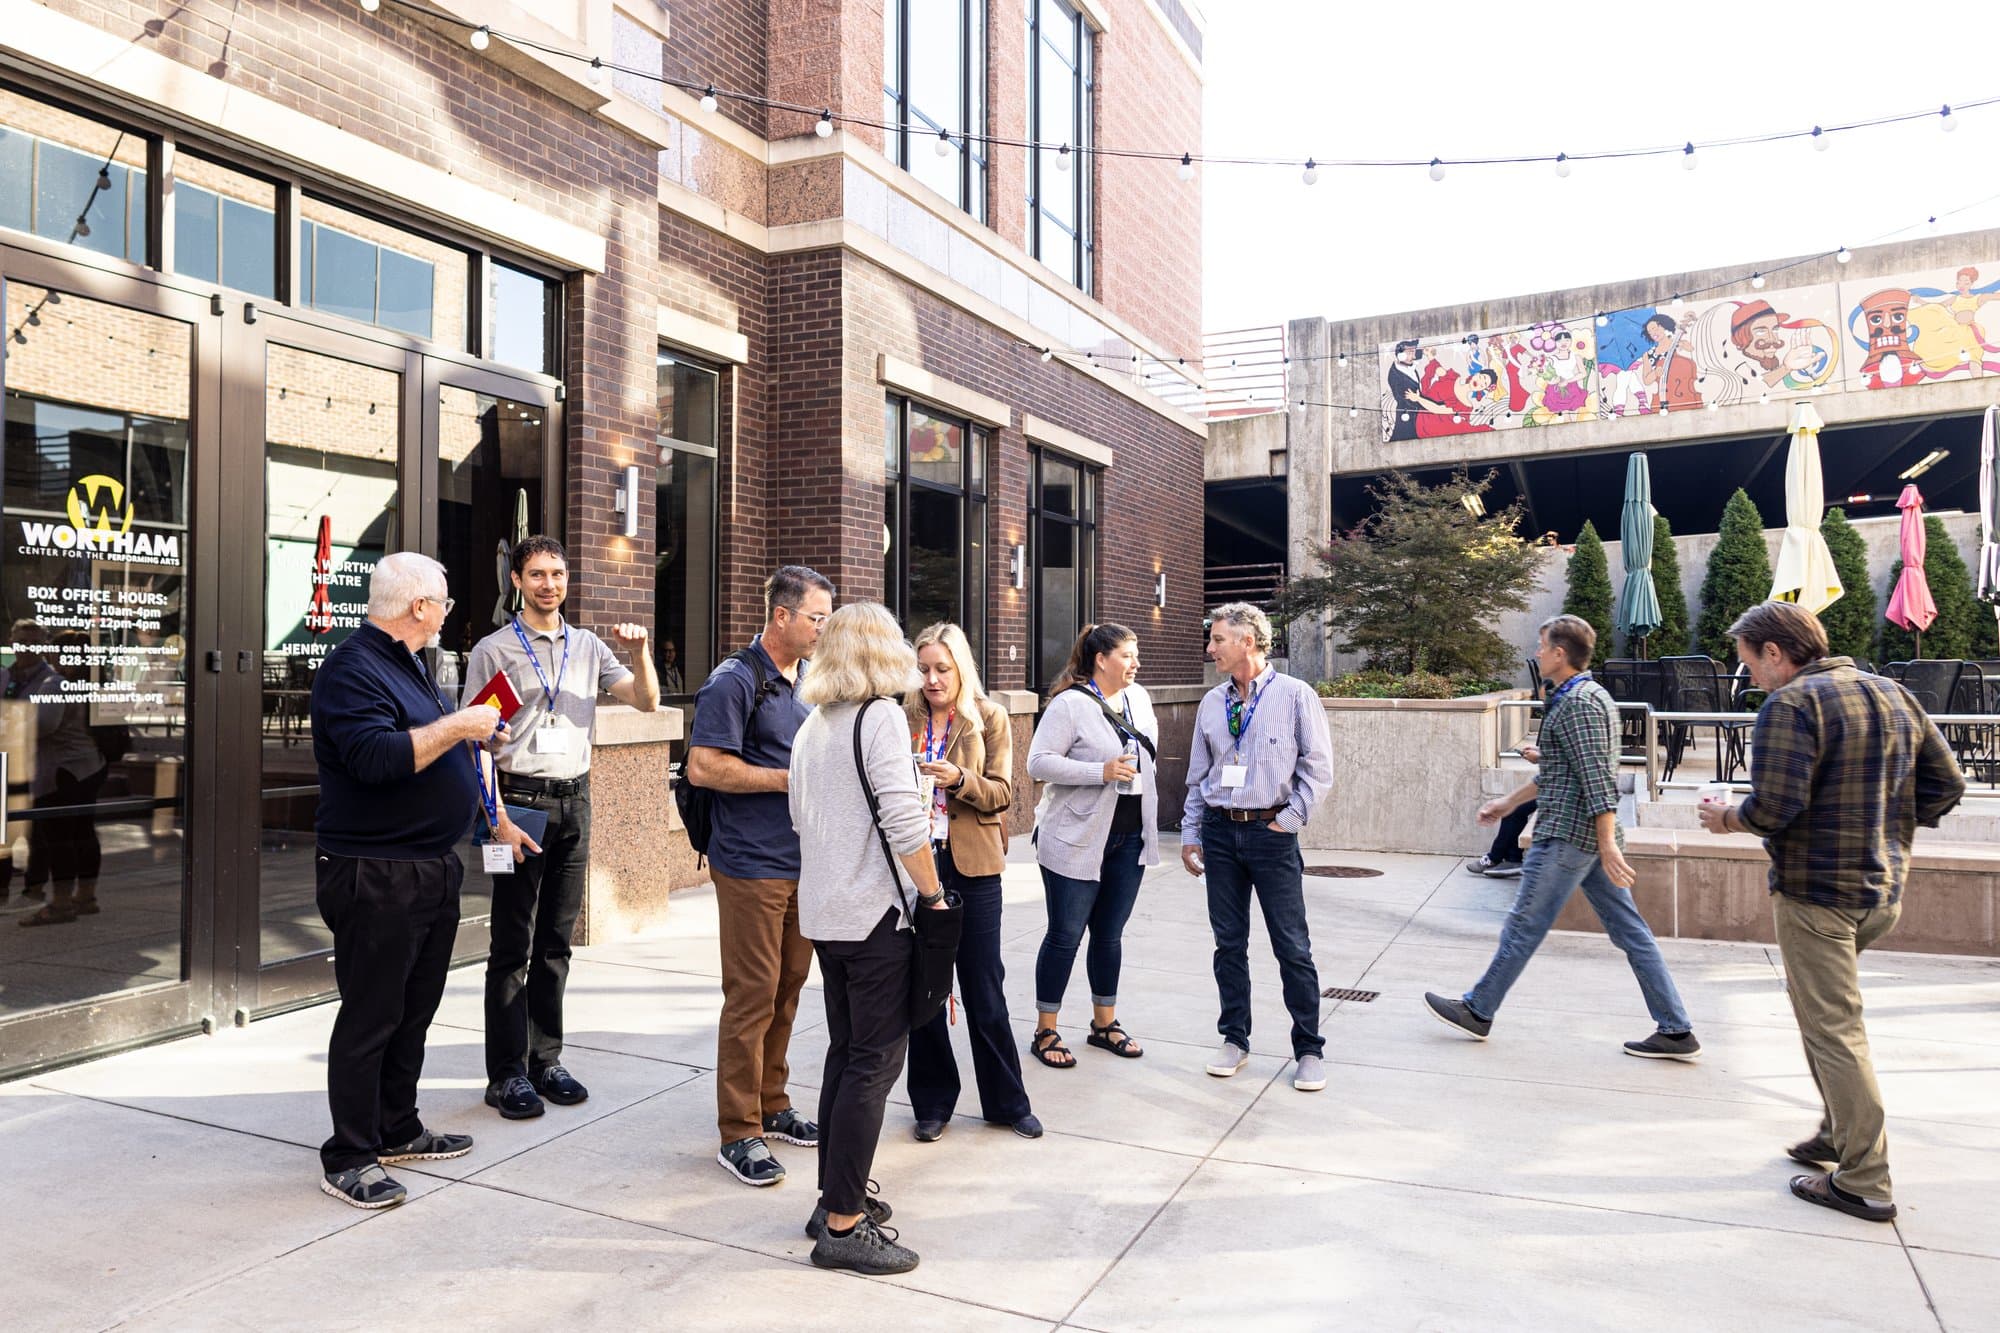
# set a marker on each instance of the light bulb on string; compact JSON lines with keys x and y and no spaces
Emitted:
{"x":1353,"y":411}
{"x":1311,"y":174}
{"x":370,"y":6}
{"x":1931,"y":222}
{"x":481,"y":37}
{"x":943,"y":145}
{"x":823,"y":127}
{"x":708,"y":102}
{"x":1687,"y":156}
{"x":1437,"y":169}
{"x":1186,"y":169}
{"x":1842,"y":255}
{"x":1343,"y":360}
{"x":1562,"y":164}
{"x":597,"y":71}
{"x":83,"y":226}
{"x":1048,"y":355}
{"x":1821,"y":140}
{"x":1757,"y":281}
{"x":1948,"y":121}
{"x":1602,"y":319}
{"x":1678,"y":303}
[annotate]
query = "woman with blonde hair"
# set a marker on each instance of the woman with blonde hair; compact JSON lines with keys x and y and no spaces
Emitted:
{"x":1095,"y":830}
{"x":967,"y":747}
{"x":856,"y":911}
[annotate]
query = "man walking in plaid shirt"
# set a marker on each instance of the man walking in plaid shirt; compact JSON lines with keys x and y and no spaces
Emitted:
{"x":1843,"y":766}
{"x":1577,"y":843}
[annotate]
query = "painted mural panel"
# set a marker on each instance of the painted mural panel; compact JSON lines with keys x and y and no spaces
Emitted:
{"x":1916,"y":328}
{"x":1488,"y":380}
{"x":1715,"y":352}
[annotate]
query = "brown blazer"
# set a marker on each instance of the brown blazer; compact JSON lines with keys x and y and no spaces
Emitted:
{"x":977,"y":810}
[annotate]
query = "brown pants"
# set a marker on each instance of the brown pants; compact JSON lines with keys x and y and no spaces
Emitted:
{"x":1821,"y":947}
{"x":764,"y":965}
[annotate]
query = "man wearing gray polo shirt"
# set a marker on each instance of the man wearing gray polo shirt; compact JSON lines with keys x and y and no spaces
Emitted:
{"x":557,"y":670}
{"x":1258,"y":765}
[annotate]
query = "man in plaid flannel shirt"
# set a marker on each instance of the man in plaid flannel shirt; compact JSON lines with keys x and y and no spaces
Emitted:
{"x":1843,"y":766}
{"x":1576,"y":845}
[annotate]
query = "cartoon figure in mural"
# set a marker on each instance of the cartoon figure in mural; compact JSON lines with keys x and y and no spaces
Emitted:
{"x":1660,"y":377}
{"x":1450,"y":403}
{"x":1548,"y":380}
{"x":1925,"y":333}
{"x":1748,"y":347}
{"x":1401,"y":420}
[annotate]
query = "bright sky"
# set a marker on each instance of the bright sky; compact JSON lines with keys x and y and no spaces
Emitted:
{"x":1458,"y":78}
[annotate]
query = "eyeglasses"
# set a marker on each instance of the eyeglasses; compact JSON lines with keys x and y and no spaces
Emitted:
{"x":815,"y":620}
{"x":446,"y":602}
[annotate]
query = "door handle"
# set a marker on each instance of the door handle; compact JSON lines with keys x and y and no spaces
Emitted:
{"x":214,"y":661}
{"x":242,"y":661}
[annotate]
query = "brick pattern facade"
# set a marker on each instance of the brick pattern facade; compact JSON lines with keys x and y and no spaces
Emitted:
{"x":721,"y":42}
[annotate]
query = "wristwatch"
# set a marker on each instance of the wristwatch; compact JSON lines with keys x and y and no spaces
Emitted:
{"x":928,"y":899}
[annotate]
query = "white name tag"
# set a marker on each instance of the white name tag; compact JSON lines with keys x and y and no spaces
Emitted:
{"x":1235,"y":775}
{"x":552,"y":740}
{"x":499,"y":858}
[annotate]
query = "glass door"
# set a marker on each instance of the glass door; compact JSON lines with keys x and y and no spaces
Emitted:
{"x":106,"y":597}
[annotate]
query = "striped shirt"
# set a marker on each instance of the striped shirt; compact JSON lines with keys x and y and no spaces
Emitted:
{"x":1843,"y":767}
{"x":1284,"y":750}
{"x":1577,"y":779}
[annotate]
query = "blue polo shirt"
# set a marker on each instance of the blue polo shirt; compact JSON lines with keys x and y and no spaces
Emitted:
{"x":753,"y":836}
{"x":366,"y":697}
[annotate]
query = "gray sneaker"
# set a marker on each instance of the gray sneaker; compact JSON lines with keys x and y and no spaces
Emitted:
{"x":867,"y":1249}
{"x":1457,"y":1014}
{"x":1504,"y":870}
{"x":1310,"y":1076}
{"x":1479,"y":867}
{"x":364,"y":1187}
{"x":751,"y":1162}
{"x":427,"y":1147}
{"x":877,"y":1211}
{"x":1228,"y":1060}
{"x":1662,"y":1046}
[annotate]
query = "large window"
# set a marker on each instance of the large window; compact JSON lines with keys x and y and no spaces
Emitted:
{"x":352,"y":265}
{"x":71,"y":179}
{"x":934,"y":87}
{"x":521,"y":312}
{"x":1062,"y":524}
{"x":225,"y":226}
{"x":1059,"y":93}
{"x":684,"y":569}
{"x":934,"y":523}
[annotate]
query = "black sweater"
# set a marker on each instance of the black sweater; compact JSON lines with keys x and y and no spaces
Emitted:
{"x":366,"y":696}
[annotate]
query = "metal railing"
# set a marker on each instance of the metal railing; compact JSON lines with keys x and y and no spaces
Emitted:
{"x":1244,"y":370}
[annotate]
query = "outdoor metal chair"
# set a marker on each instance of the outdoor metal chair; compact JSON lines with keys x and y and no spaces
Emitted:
{"x":1695,"y":684}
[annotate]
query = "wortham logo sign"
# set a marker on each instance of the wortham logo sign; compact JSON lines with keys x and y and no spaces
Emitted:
{"x":100,"y":524}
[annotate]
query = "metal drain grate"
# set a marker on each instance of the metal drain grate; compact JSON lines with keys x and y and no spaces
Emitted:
{"x":1343,"y":993}
{"x":1342,"y":872}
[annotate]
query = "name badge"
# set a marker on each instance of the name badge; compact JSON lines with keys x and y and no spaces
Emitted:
{"x":1235,"y":775}
{"x":552,"y":740}
{"x":498,"y":856}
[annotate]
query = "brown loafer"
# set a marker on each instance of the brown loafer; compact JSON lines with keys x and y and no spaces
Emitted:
{"x":1815,"y":1151}
{"x":1822,"y":1191}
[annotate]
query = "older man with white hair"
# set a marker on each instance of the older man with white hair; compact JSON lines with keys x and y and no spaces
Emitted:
{"x":1259,"y":763}
{"x":399,"y":787}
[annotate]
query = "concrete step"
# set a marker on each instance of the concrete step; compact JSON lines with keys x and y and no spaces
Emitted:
{"x":1980,"y":825}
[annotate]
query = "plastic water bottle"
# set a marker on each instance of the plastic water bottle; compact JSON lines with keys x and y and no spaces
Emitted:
{"x":1130,"y":786}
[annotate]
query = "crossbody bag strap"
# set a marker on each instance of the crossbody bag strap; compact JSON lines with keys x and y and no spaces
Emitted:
{"x":875,"y":807}
{"x":1118,"y":724}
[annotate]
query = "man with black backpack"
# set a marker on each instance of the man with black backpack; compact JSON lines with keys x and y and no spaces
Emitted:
{"x":738,"y":815}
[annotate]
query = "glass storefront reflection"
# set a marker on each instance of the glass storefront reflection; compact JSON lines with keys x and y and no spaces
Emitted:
{"x":93,"y":673}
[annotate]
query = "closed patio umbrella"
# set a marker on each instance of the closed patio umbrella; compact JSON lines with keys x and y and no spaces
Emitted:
{"x":1638,"y":601}
{"x":1805,"y":567}
{"x":1910,"y":605}
{"x":1989,"y":516}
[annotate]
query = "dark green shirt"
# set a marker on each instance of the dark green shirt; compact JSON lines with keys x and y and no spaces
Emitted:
{"x":1578,"y":776}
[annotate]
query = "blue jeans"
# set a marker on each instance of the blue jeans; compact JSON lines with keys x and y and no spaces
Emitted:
{"x":996,"y":1060}
{"x":1550,"y":872}
{"x":1104,"y":905}
{"x":1240,"y":858}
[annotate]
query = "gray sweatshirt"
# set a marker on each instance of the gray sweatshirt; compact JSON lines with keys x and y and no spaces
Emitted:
{"x":1073,"y":820}
{"x":844,"y":883}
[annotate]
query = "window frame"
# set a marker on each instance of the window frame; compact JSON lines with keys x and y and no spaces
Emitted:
{"x":664,"y":439}
{"x":974,"y":493}
{"x":1083,"y":99}
{"x":909,"y":124}
{"x":1085,"y":524}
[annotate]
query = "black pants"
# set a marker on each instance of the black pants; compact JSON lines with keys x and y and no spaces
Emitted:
{"x":63,"y":850}
{"x":868,"y":1030}
{"x":534,"y":916}
{"x":1253,"y":858}
{"x":1507,"y":841}
{"x":996,"y":1059}
{"x":393,"y":924}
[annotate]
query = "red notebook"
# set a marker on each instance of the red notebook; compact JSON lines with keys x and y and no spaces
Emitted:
{"x":498,"y":693}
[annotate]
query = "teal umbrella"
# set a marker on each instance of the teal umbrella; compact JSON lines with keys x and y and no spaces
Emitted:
{"x":1638,"y":602}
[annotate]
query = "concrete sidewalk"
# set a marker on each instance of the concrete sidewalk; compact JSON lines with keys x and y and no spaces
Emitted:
{"x":1543,"y":1180}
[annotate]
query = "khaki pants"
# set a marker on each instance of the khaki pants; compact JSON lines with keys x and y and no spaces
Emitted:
{"x":764,"y":964}
{"x":1821,"y":947}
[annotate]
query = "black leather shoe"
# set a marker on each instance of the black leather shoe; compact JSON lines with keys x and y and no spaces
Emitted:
{"x":1028,"y":1127}
{"x":930,"y":1131}
{"x":555,"y":1084}
{"x":514,"y":1098}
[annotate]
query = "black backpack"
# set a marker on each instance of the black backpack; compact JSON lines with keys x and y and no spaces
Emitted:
{"x":697,"y":804}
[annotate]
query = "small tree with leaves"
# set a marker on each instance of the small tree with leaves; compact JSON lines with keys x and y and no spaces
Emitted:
{"x":1671,"y":638}
{"x":1589,"y":574}
{"x":1850,"y":622}
{"x":1739,"y":576}
{"x":1415,"y":585}
{"x":1957,"y":626}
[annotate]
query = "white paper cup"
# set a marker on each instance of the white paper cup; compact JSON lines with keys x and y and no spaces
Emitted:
{"x":1714,"y":793}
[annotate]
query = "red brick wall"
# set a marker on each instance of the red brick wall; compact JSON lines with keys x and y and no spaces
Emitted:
{"x":720,"y":42}
{"x":813,"y":511}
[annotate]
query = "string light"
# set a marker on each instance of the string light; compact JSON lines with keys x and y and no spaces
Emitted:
{"x":370,"y":6}
{"x":823,"y":127}
{"x":1821,"y":141}
{"x":596,"y":72}
{"x":481,"y":38}
{"x":1437,"y":169}
{"x":1186,"y":169}
{"x":1757,"y":281}
{"x":943,"y":145}
{"x":1311,"y":174}
{"x":1946,"y":119}
{"x":708,"y":102}
{"x":1062,"y":158}
{"x":1687,"y":157}
{"x":1842,"y":255}
{"x":1562,"y":164}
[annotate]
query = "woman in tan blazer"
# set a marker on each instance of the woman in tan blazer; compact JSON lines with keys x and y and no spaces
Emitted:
{"x":964,"y":741}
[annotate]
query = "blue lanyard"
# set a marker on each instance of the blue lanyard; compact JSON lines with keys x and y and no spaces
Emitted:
{"x":943,"y":742}
{"x":489,"y":799}
{"x":548,"y":691}
{"x":1239,"y":719}
{"x":1563,"y":689}
{"x":1124,"y":700}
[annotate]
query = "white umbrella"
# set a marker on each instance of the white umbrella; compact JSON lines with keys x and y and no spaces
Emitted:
{"x":1805,"y":571}
{"x":1989,"y":520}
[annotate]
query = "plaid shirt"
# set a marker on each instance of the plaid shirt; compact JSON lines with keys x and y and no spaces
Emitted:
{"x":1578,"y":776}
{"x":1843,"y":767}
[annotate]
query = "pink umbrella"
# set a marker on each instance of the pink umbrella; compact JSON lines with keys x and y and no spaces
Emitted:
{"x":1910,"y":605}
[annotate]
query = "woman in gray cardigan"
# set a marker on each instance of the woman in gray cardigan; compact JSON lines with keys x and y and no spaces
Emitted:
{"x":856,"y":910}
{"x":1095,"y":830}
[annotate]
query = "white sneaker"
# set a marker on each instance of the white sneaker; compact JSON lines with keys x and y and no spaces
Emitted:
{"x":1228,"y":1060}
{"x":1310,"y":1076}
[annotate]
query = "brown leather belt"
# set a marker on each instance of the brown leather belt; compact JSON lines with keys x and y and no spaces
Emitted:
{"x":1249,"y":816}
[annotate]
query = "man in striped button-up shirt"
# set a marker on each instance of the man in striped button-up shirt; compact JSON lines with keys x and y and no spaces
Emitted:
{"x":1259,"y":763}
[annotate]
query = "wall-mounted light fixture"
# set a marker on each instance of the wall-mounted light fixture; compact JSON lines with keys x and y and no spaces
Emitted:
{"x":1160,"y":592}
{"x":627,"y":501}
{"x":1019,"y":567}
